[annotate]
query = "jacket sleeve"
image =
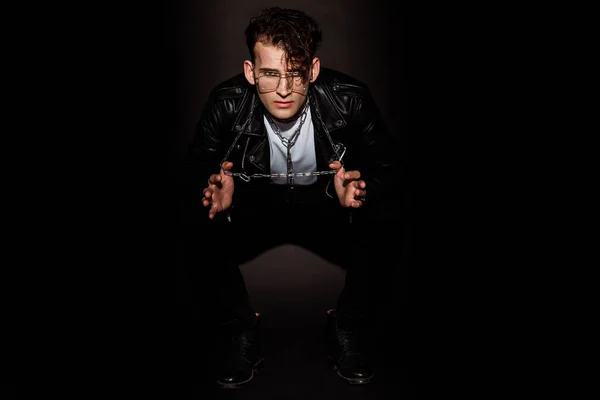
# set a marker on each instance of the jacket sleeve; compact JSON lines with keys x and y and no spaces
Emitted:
{"x":203,"y":155}
{"x":378,"y":160}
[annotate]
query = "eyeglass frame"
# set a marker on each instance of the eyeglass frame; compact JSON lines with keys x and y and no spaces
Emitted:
{"x":287,"y":76}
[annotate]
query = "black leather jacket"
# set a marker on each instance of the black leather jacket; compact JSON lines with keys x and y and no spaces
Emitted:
{"x":231,"y":128}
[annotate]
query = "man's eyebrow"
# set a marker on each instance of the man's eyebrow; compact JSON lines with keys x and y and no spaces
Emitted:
{"x":276,"y":70}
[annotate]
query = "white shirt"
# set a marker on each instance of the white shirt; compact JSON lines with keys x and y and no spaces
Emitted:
{"x":302,"y":153}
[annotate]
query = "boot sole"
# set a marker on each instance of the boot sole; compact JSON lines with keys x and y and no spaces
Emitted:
{"x":237,"y":385}
{"x":352,"y":381}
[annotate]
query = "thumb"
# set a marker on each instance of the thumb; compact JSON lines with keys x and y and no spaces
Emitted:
{"x":335,"y":165}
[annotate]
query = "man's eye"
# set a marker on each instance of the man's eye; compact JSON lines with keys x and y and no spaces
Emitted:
{"x":271,"y":73}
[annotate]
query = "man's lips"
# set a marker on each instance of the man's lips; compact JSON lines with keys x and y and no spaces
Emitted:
{"x":283,"y":104}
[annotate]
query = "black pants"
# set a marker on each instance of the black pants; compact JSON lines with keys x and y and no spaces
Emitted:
{"x":299,"y":216}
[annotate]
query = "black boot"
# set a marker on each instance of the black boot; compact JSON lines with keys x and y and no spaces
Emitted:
{"x":242,"y":353}
{"x":347,"y":347}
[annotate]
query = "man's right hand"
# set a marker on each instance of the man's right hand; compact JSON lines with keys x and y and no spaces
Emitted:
{"x":219,"y":193}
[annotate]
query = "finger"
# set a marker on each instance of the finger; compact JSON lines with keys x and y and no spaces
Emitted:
{"x":213,"y":211}
{"x":227,"y":165}
{"x":358,"y":184}
{"x":214,"y":178}
{"x":207,"y":193}
{"x":359,"y":193}
{"x":205,"y":202}
{"x":352,"y":175}
{"x":335,"y":165}
{"x":356,"y":203}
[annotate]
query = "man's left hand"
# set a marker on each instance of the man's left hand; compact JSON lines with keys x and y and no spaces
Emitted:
{"x":348,"y":186}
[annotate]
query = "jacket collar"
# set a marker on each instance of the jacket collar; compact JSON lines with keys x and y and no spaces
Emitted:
{"x":325,"y":113}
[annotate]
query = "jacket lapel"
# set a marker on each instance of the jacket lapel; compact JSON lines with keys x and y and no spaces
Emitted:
{"x":325,"y":121}
{"x":254,"y":142}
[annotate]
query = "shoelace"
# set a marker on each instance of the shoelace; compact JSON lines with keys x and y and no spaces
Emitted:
{"x":349,"y":342}
{"x":241,"y":346}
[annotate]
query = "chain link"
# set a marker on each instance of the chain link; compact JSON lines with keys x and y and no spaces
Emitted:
{"x":246,"y":178}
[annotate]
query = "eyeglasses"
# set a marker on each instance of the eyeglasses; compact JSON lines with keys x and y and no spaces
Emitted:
{"x":269,"y":81}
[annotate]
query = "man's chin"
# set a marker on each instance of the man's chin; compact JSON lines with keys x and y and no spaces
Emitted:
{"x":283,"y":114}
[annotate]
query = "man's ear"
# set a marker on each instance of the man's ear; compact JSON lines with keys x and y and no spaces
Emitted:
{"x":315,"y":69}
{"x":248,"y":72}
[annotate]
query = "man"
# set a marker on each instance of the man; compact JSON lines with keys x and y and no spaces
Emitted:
{"x":290,"y":152}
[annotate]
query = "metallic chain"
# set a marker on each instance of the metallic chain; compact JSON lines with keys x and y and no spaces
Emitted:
{"x":246,"y":178}
{"x":288,"y":143}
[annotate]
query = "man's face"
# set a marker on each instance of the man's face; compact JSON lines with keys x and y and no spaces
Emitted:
{"x":286,"y":99}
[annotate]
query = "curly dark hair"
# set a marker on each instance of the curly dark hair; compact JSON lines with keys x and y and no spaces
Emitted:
{"x":298,"y":34}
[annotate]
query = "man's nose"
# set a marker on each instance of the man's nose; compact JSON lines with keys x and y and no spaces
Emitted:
{"x":285,"y":85}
